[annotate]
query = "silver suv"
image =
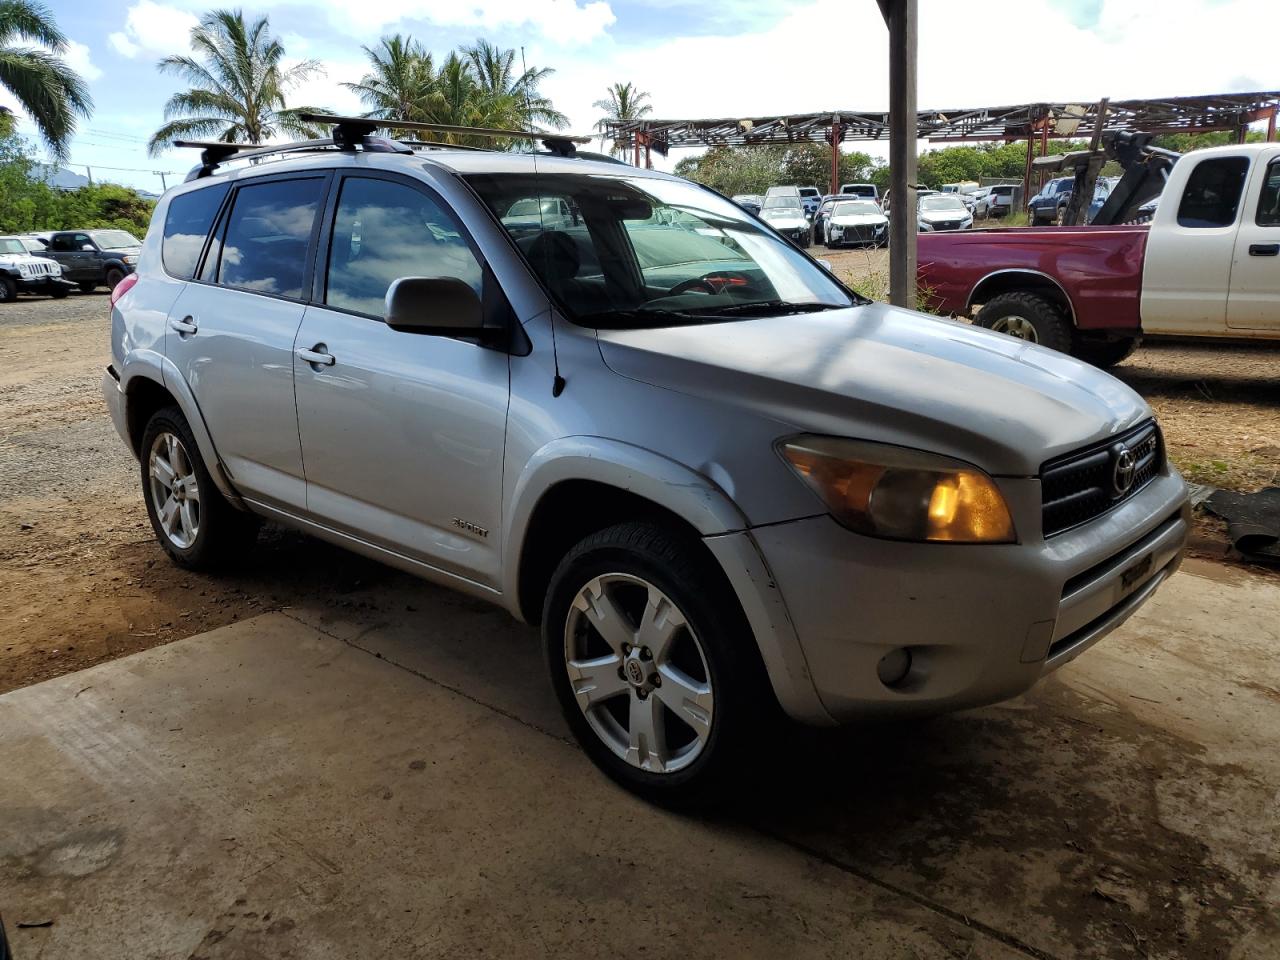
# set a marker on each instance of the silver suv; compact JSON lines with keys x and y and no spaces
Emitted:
{"x":718,"y":479}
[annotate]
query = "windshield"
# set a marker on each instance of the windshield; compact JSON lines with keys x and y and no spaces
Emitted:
{"x":942,"y":201}
{"x":655,"y":252}
{"x":858,"y":208}
{"x":114,"y":239}
{"x":33,"y":245}
{"x":10,"y":245}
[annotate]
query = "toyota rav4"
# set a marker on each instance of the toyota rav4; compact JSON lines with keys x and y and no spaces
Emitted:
{"x":720,"y":481}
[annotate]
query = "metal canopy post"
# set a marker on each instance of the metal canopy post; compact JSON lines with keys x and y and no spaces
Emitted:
{"x":902,"y":19}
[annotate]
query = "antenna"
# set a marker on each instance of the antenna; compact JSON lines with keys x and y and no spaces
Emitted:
{"x":557,"y":382}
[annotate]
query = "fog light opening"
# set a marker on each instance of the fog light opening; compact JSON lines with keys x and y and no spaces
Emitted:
{"x":894,"y":667}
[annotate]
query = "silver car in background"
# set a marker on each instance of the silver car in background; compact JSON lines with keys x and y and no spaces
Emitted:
{"x":721,"y":483}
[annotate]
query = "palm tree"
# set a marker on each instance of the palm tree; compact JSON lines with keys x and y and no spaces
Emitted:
{"x":400,"y":82}
{"x":50,"y":91}
{"x":238,"y":85}
{"x":625,"y":102}
{"x":505,"y":100}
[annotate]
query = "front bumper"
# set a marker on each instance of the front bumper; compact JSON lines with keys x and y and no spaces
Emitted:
{"x":44,"y":284}
{"x":982,"y":623}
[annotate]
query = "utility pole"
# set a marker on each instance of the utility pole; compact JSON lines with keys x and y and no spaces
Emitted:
{"x":902,"y":19}
{"x":163,"y":184}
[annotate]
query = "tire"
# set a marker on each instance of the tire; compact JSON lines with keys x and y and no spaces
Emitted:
{"x":8,"y":290}
{"x":628,"y":570}
{"x":114,"y":276}
{"x":1105,"y":353}
{"x":59,"y":294}
{"x":1028,"y":316}
{"x":205,"y":530}
{"x":87,"y":287}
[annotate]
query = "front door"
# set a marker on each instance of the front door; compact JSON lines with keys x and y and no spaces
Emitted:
{"x":402,"y":434}
{"x":78,"y":265}
{"x":1187,"y":266}
{"x":231,"y":333}
{"x":1254,"y":302}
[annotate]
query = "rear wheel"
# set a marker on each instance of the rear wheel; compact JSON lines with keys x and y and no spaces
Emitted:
{"x":1106,"y":353}
{"x":1027,"y":316}
{"x":654,"y":664}
{"x":87,"y":287}
{"x":58,"y":293}
{"x":194,"y":524}
{"x":8,"y":290}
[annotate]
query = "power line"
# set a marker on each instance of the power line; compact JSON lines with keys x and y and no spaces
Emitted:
{"x":98,"y":166}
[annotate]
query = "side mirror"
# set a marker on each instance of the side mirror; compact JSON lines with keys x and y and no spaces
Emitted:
{"x":87,"y":247}
{"x":826,"y":265}
{"x":439,"y":306}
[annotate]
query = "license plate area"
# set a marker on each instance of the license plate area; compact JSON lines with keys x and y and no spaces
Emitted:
{"x":1133,"y":574}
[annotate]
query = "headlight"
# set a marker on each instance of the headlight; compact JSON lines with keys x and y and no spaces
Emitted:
{"x":131,"y":258}
{"x":899,"y":493}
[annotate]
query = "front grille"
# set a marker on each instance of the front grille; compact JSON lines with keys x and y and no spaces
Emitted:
{"x":1080,"y":486}
{"x":39,"y":268}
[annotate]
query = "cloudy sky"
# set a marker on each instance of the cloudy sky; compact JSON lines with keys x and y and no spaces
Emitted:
{"x":696,"y":59}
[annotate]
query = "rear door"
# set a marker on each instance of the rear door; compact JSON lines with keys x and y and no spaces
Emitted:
{"x":1254,"y":300}
{"x":1187,"y":267}
{"x":232,"y":329}
{"x":403,"y":434}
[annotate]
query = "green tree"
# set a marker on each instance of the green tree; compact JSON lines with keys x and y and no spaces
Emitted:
{"x":51,"y":92}
{"x":399,"y":82}
{"x":504,"y":99}
{"x":623,"y":101}
{"x":238,"y":85}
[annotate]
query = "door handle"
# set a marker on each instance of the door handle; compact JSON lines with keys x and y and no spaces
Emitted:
{"x":318,"y":355}
{"x":186,"y":325}
{"x":1264,"y":249}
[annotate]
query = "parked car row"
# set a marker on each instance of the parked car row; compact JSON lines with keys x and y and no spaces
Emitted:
{"x":55,"y":263}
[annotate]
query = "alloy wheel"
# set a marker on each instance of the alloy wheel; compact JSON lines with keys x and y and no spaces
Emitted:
{"x":175,"y":490}
{"x":1016,"y":326}
{"x":638,"y":673}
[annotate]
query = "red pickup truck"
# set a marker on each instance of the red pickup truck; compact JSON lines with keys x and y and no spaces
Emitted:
{"x":1207,"y":265}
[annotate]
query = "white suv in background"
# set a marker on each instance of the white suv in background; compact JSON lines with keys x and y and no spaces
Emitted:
{"x":719,"y":481}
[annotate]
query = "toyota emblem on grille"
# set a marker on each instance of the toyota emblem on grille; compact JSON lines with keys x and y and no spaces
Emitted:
{"x":1123,"y":470}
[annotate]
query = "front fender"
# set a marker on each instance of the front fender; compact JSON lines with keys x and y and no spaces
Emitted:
{"x":159,"y":369}
{"x":690,"y":495}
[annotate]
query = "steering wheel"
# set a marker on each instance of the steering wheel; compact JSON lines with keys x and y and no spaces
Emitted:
{"x":701,"y":284}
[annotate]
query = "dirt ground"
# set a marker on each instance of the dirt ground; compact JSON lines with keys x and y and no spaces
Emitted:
{"x":81,"y":580}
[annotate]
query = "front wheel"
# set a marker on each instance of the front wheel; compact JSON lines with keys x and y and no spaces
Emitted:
{"x":113,"y":278}
{"x":654,"y":664}
{"x":59,"y":293}
{"x":1027,"y":316}
{"x":8,"y":290}
{"x":87,"y":287}
{"x":194,"y":524}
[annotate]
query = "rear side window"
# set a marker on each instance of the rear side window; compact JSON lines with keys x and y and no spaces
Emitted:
{"x":268,"y":236}
{"x":1212,"y":194}
{"x":384,"y":231}
{"x":186,"y":226}
{"x":1269,"y":200}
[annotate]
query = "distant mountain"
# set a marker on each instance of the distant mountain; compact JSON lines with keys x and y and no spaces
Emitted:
{"x":61,"y":177}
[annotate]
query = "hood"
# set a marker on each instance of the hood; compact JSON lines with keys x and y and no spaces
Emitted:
{"x":785,"y":221}
{"x":879,"y":373}
{"x":16,"y":259}
{"x":859,"y":219}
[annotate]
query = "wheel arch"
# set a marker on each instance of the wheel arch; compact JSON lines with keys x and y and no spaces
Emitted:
{"x":150,"y":384}
{"x":1021,"y":280}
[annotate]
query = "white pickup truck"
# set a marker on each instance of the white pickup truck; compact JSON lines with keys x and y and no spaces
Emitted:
{"x":1208,"y":265}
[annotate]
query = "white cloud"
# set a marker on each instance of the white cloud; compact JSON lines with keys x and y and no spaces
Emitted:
{"x":153,"y":28}
{"x":77,"y":58}
{"x":561,"y":22}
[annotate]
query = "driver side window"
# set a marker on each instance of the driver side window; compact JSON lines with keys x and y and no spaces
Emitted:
{"x":384,"y":231}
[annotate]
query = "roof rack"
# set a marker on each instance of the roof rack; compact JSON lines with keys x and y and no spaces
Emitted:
{"x":348,"y":134}
{"x":562,"y":145}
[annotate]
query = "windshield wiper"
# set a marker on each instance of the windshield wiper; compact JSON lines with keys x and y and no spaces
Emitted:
{"x":769,"y":308}
{"x":640,"y":316}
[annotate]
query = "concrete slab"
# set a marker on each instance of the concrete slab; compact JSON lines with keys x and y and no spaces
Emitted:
{"x":266,"y":790}
{"x":1126,"y":807}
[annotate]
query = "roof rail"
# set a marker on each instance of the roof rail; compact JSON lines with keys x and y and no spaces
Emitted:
{"x":348,"y":135}
{"x":560,"y":144}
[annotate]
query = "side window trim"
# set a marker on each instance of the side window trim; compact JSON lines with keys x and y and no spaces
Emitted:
{"x":1272,"y":170}
{"x":224,"y":217}
{"x":493,"y":298}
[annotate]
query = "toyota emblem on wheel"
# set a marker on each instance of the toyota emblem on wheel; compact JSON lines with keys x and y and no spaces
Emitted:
{"x":1123,"y":470}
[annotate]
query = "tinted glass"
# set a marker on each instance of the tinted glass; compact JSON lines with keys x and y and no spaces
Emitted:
{"x":265,"y":250}
{"x":186,"y":226}
{"x":67,"y":242}
{"x":1212,"y":194}
{"x":384,"y":231}
{"x":1269,"y":200}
